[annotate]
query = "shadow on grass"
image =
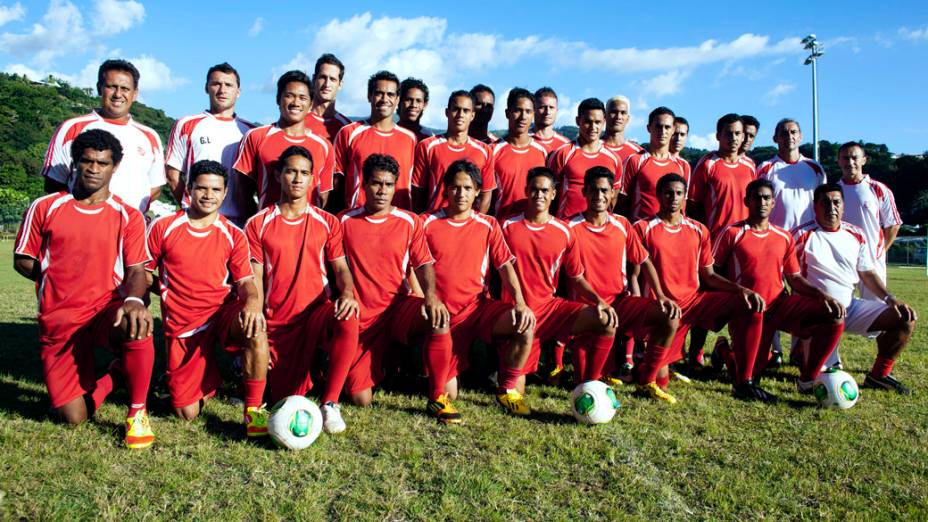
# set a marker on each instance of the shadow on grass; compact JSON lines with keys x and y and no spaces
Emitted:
{"x":222,"y":428}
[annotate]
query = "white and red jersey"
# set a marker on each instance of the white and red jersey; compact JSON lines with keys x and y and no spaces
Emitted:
{"x":831,"y":259}
{"x":511,"y":165}
{"x":433,"y":157}
{"x":750,"y":160}
{"x":551,"y":144}
{"x":540,"y":250}
{"x":142,"y":165}
{"x":687,"y":168}
{"x":293,"y":254}
{"x":641,"y":174}
{"x":678,"y":252}
{"x":624,"y":151}
{"x":328,"y":126}
{"x":194,"y":268}
{"x":380,"y":249}
{"x":570,"y":164}
{"x":720,"y":186}
{"x":205,"y":136}
{"x":257,"y":159}
{"x":605,"y":250}
{"x":793,"y":186}
{"x":358,"y":140}
{"x":464,"y":251}
{"x":757,"y":259}
{"x":870,"y":206}
{"x":83,"y":252}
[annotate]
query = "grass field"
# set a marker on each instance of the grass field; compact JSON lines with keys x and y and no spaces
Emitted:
{"x":708,"y":457}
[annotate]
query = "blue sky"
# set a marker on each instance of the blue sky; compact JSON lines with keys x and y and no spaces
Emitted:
{"x":698,"y":59}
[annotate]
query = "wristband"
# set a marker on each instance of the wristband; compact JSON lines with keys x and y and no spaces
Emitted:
{"x":887,"y":297}
{"x":133,"y":298}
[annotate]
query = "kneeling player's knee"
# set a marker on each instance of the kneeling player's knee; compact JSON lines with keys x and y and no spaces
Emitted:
{"x":71,"y":417}
{"x":188,"y":413}
{"x":362,"y":398}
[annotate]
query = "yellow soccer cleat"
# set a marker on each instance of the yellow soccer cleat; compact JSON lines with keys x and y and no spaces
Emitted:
{"x":513,"y":402}
{"x":555,"y":376}
{"x":653,"y":391}
{"x":443,"y":411}
{"x":138,"y":431}
{"x":256,"y":421}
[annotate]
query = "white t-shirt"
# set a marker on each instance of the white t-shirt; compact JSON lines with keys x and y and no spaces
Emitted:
{"x":142,"y":166}
{"x":870,"y":206}
{"x":831,"y":259}
{"x":793,"y":185}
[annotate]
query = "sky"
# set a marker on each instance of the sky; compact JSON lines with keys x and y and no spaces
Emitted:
{"x":699,"y":59}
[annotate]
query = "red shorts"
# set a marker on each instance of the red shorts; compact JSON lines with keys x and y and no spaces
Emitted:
{"x":795,"y":314}
{"x":709,"y":311}
{"x":191,"y":368}
{"x":68,"y":365}
{"x":474,"y":322}
{"x":554,"y":320}
{"x":374,"y":341}
{"x":633,"y":313}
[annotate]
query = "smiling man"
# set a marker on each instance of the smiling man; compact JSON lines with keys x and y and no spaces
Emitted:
{"x":414,"y":98}
{"x":515,"y":155}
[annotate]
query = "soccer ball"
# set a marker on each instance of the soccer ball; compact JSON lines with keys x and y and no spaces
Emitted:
{"x":295,"y":422}
{"x":835,"y":389}
{"x":593,"y":402}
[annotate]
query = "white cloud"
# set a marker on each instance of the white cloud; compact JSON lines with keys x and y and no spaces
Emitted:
{"x":60,"y":32}
{"x":12,"y":13}
{"x":915,"y":35}
{"x":115,"y":16}
{"x":778,"y":91}
{"x":256,"y":27}
{"x":706,"y":141}
{"x":155,"y":75}
{"x":664,"y":84}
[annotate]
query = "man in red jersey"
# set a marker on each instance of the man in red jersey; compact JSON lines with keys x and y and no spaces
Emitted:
{"x":681,"y":251}
{"x":414,"y":99}
{"x":542,"y":243}
{"x":195,"y":251}
{"x":215,"y":135}
{"x":465,"y":243}
{"x":377,"y":135}
{"x":322,"y":118}
{"x":571,"y":161}
{"x":545,"y":118}
{"x":86,"y":253}
{"x":484,"y":101}
{"x":383,"y":243}
{"x":617,"y":118}
{"x":435,"y":154}
{"x":262,"y":146}
{"x":759,"y":255}
{"x":606,"y":240}
{"x":515,"y":155}
{"x":642,"y":170}
{"x":681,"y":131}
{"x":140,"y":174}
{"x":291,"y":242}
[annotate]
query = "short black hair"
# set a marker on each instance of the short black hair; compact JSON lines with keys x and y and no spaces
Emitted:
{"x":381,"y":76}
{"x":117,"y":65}
{"x":329,"y":59}
{"x":292,"y":77}
{"x":225,"y":68}
{"x":590,"y":104}
{"x":462,"y":165}
{"x":825,"y":189}
{"x":414,"y":83}
{"x":596,"y":173}
{"x":536,"y":172}
{"x":545,"y":91}
{"x":782,"y":124}
{"x":482,"y":88}
{"x":460,"y":93}
{"x":294,"y":150}
{"x":727,"y":120}
{"x":518,"y":93}
{"x":756,"y":185}
{"x":747,"y":119}
{"x":680,"y":119}
{"x":96,"y":139}
{"x":207,"y":167}
{"x":381,"y":162}
{"x":660,"y":111}
{"x":667,"y":179}
{"x":851,"y":144}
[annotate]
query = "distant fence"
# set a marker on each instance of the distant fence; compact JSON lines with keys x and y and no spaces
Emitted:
{"x":909,"y":251}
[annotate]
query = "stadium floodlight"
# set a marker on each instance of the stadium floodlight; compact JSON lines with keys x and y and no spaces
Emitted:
{"x":816,"y":51}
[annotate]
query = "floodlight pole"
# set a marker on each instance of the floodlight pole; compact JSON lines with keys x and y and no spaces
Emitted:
{"x":817,"y":50}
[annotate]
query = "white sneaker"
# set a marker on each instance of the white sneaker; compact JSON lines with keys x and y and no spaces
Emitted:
{"x":332,"y":421}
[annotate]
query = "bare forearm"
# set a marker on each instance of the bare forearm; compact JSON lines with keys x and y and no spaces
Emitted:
{"x":136,"y":282}
{"x":889,"y":235}
{"x":483,"y":204}
{"x":175,"y":180}
{"x":873,"y":283}
{"x":426,"y":276}
{"x":27,"y":267}
{"x":585,"y":290}
{"x":800,"y":285}
{"x":511,"y":283}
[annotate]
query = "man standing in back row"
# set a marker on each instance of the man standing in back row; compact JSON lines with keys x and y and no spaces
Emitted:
{"x":322,"y":117}
{"x":545,"y":118}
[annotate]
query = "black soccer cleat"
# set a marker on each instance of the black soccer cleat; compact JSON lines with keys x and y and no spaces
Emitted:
{"x":886,"y":383}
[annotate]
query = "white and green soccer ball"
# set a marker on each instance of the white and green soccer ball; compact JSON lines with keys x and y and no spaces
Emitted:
{"x":593,"y":402}
{"x":836,"y":389}
{"x":295,"y":422}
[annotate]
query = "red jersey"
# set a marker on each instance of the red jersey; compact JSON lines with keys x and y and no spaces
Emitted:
{"x":463,"y":251}
{"x":257,"y":159}
{"x":678,"y":252}
{"x":433,"y":157}
{"x":358,"y":140}
{"x":687,"y":168}
{"x":570,"y":164}
{"x":625,"y":150}
{"x":511,"y":165}
{"x":327,"y":127}
{"x":757,"y":259}
{"x":605,"y":250}
{"x":293,"y":253}
{"x":719,"y":186}
{"x":540,"y":250}
{"x":380,"y":249}
{"x":83,"y":251}
{"x":551,"y":144}
{"x":194,"y":265}
{"x":642,"y":172}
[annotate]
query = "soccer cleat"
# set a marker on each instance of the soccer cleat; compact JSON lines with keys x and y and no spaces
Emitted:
{"x":612,"y":381}
{"x":513,"y":402}
{"x":805,"y":387}
{"x":332,"y":421}
{"x":677,"y":376}
{"x":138,"y":431}
{"x":886,"y":383}
{"x":555,"y":376}
{"x":653,"y":391}
{"x":776,"y":361}
{"x":750,"y":391}
{"x":442,"y":410}
{"x":256,"y":421}
{"x":626,"y":373}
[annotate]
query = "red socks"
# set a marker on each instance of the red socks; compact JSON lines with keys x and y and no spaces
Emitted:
{"x":882,"y":367}
{"x":745,"y":332}
{"x":824,"y":339}
{"x":654,"y":356}
{"x":254,"y":392}
{"x":559,"y":355}
{"x":342,"y":351}
{"x":596,"y":357}
{"x":103,"y":388}
{"x":663,"y":381}
{"x":437,"y":354}
{"x":138,"y":360}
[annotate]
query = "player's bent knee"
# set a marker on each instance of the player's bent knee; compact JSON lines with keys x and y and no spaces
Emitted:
{"x":362,"y":398}
{"x":188,"y":413}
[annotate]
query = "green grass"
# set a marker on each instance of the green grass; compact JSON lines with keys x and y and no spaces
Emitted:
{"x":708,"y":457}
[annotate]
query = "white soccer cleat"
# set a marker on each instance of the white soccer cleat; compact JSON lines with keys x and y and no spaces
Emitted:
{"x":332,"y":421}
